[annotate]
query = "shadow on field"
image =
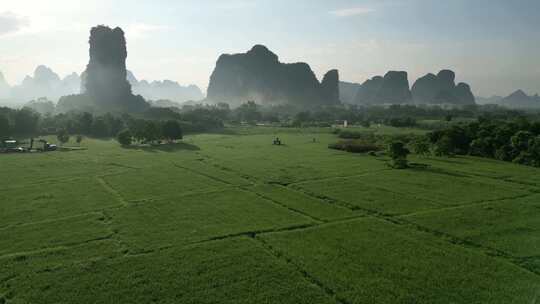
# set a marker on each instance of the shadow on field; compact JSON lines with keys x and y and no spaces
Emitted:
{"x":453,"y":161}
{"x":181,"y":146}
{"x":428,"y":168}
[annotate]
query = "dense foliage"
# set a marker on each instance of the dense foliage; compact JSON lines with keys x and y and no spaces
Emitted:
{"x":516,"y":140}
{"x":398,"y":152}
{"x":355,"y":146}
{"x":26,"y":123}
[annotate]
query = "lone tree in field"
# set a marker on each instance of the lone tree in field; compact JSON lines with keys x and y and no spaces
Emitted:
{"x":62,"y":136}
{"x":444,"y":146}
{"x":421,"y":146}
{"x":398,"y":153}
{"x":171,"y":130}
{"x":124,"y":138}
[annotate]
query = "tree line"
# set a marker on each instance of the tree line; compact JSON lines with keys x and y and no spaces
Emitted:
{"x":148,"y":126}
{"x":516,"y":140}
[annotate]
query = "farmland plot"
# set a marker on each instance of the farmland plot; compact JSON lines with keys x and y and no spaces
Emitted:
{"x":235,"y":271}
{"x":200,"y":217}
{"x":372,"y":261}
{"x":233,"y":219}
{"x":48,"y":201}
{"x":405,"y":191}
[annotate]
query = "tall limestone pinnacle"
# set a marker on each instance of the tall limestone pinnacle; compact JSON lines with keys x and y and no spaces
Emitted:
{"x":106,"y":72}
{"x":105,"y":77}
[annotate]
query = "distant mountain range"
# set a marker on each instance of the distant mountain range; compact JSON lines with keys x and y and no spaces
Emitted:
{"x":393,"y":88}
{"x":164,"y":90}
{"x":46,"y":83}
{"x":517,"y":100}
{"x":43,"y":83}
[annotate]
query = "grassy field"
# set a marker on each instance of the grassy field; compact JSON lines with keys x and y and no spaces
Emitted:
{"x":230,"y":218}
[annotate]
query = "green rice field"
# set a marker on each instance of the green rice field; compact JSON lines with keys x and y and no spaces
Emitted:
{"x":231,"y":218}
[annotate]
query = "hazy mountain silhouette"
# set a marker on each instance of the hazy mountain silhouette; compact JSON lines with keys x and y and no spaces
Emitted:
{"x":43,"y":83}
{"x":441,"y":89}
{"x":393,"y":88}
{"x":164,"y":90}
{"x":495,"y":99}
{"x":520,"y":99}
{"x":348,"y":91}
{"x":258,"y":75}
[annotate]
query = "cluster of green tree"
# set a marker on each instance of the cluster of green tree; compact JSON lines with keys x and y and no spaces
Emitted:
{"x":401,"y":122}
{"x":21,"y":123}
{"x":516,"y":140}
{"x":26,"y":123}
{"x":366,"y":142}
{"x":398,"y":152}
{"x":150,"y":131}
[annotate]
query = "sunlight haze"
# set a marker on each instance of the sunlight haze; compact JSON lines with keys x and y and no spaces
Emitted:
{"x":490,"y":44}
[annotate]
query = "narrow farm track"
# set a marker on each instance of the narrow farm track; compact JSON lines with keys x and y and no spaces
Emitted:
{"x":101,"y":180}
{"x":48,"y":221}
{"x":463,"y":206}
{"x":307,"y":276}
{"x":304,"y":214}
{"x":51,"y":249}
{"x":202,"y":174}
{"x":331,"y":178}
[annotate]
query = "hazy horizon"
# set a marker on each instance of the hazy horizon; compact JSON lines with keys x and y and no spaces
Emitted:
{"x":489,"y":44}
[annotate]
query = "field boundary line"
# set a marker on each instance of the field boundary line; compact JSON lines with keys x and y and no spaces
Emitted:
{"x":55,"y":248}
{"x":328,"y":178}
{"x":48,"y":221}
{"x":300,"y":192}
{"x":293,"y":210}
{"x":463,"y":243}
{"x":101,"y":180}
{"x":305,"y":274}
{"x":402,"y":221}
{"x":472,"y":204}
{"x":45,"y":181}
{"x":325,"y":198}
{"x":207,"y":159}
{"x":203,"y":174}
{"x":254,"y":233}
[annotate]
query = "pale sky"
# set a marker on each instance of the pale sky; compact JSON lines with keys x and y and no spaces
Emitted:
{"x":491,"y":44}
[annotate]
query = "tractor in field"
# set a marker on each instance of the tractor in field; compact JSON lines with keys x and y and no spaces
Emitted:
{"x":47,"y":146}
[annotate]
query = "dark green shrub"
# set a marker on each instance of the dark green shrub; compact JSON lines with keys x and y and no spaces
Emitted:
{"x":124,"y":137}
{"x":355,"y":146}
{"x":398,"y":153}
